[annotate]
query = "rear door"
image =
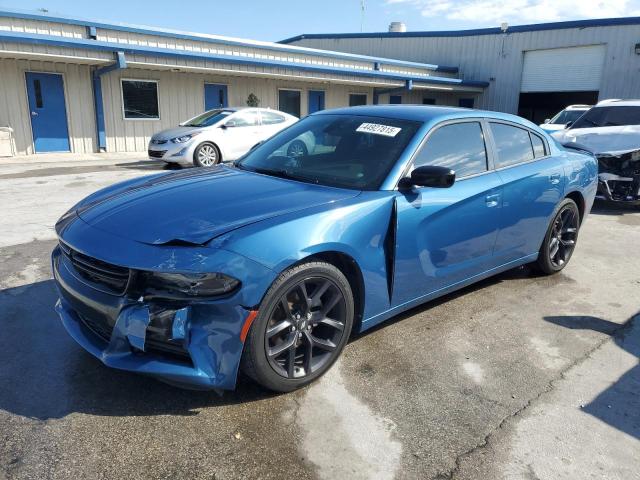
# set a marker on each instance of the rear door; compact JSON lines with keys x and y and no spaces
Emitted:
{"x":533,"y":184}
{"x":446,"y":235}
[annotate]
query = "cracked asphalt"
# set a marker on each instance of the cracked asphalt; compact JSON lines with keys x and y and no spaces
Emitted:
{"x":518,"y":377}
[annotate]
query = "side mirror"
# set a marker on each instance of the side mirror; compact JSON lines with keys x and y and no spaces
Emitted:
{"x":568,"y":125}
{"x":429,"y":176}
{"x":230,"y":123}
{"x":547,"y":120}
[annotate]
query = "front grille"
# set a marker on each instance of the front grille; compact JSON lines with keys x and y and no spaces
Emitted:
{"x":157,"y":153}
{"x":102,"y":275}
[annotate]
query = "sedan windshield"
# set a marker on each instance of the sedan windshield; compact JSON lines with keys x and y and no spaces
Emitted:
{"x":567,"y":116}
{"x":354,"y":152}
{"x":609,"y":117}
{"x":207,"y":119}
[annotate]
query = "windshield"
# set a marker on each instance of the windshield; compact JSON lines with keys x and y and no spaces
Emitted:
{"x":355,"y":152}
{"x":609,"y":117}
{"x":567,"y":116}
{"x":207,"y":119}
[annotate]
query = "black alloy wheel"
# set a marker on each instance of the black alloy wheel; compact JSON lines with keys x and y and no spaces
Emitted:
{"x":304,"y":323}
{"x":560,"y":240}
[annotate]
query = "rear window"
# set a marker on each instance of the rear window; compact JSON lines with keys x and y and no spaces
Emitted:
{"x":609,"y":117}
{"x":513,"y":145}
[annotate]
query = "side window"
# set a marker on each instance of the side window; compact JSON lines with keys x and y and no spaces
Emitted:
{"x":538,"y":145}
{"x":270,"y":118}
{"x":513,"y":145}
{"x":459,"y":146}
{"x":246,"y":119}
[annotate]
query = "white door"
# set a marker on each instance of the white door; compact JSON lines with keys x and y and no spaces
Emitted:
{"x":574,"y":69}
{"x":241,"y":133}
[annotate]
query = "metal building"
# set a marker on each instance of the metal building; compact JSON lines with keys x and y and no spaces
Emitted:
{"x":82,"y":86}
{"x":534,"y":70}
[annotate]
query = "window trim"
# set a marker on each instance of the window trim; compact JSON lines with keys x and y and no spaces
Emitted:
{"x":488,"y":147}
{"x":547,"y":150}
{"x":147,"y":80}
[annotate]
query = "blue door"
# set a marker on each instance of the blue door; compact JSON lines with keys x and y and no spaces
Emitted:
{"x":215,"y":96}
{"x":395,"y":99}
{"x":316,"y":101}
{"x":48,"y":112}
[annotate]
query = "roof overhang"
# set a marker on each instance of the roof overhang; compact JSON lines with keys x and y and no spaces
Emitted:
{"x":222,"y":61}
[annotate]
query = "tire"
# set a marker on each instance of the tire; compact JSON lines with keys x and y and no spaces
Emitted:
{"x":297,"y":149}
{"x":206,"y":155}
{"x":317,"y":340}
{"x":560,"y":240}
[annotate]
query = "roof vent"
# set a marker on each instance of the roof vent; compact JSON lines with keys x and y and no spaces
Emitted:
{"x":397,"y":27}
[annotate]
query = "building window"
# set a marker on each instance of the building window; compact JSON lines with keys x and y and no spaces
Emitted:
{"x":356,"y":99}
{"x":289,"y":102}
{"x":395,"y":99}
{"x":465,"y":102}
{"x":428,"y":101}
{"x":140,"y":100}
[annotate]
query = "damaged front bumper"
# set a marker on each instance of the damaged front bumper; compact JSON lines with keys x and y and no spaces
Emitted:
{"x":619,"y":177}
{"x":193,"y":342}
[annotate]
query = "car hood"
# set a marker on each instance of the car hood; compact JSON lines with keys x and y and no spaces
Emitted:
{"x":170,"y":133}
{"x":552,"y":127}
{"x":598,"y":140}
{"x":197,"y":205}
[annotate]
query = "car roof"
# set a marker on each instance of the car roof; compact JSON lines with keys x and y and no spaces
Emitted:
{"x":616,"y":102}
{"x":422,"y":113}
{"x":578,"y":107}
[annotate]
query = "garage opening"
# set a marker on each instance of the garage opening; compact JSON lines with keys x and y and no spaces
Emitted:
{"x":555,"y":78}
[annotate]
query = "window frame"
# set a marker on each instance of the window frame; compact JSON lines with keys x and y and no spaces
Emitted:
{"x":530,"y":131}
{"x":487,"y":145}
{"x":146,"y":80}
{"x":290,"y":89}
{"x":363,"y":94}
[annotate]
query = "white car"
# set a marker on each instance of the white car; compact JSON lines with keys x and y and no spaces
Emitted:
{"x":564,"y":118}
{"x":221,"y":135}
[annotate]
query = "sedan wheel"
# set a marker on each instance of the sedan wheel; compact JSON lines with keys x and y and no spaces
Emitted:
{"x":303,"y":325}
{"x":206,"y":155}
{"x":297,"y":149}
{"x":560,"y":240}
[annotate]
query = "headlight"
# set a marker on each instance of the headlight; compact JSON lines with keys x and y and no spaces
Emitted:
{"x":185,"y":138}
{"x":181,"y":285}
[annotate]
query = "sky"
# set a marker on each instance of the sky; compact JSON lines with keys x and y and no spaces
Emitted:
{"x":278,"y":19}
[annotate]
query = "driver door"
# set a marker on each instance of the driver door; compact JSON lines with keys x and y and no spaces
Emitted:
{"x":446,"y":236}
{"x":241,"y":132}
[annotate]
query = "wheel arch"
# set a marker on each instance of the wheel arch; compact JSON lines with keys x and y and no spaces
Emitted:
{"x":577,"y":197}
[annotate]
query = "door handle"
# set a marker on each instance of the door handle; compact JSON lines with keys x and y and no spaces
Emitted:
{"x":34,"y":114}
{"x":492,"y":200}
{"x":554,"y":178}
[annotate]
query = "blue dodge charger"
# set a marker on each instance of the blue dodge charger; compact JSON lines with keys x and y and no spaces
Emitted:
{"x":269,"y":265}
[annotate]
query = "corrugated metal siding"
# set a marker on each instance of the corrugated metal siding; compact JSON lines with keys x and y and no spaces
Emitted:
{"x":14,"y":108}
{"x":501,"y":56}
{"x":42,"y":28}
{"x":181,"y":96}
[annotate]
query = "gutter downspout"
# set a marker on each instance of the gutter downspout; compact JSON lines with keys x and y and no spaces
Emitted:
{"x":121,"y":63}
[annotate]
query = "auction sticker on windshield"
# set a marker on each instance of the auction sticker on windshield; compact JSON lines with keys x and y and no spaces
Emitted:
{"x":378,"y":129}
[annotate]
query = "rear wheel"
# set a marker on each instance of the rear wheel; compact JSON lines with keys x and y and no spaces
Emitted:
{"x":304,"y":323}
{"x":560,"y":240}
{"x":206,"y":155}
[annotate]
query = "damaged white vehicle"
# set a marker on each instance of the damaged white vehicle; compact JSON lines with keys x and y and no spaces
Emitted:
{"x":611,"y":131}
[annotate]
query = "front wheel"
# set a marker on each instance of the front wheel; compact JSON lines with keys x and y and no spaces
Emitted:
{"x":206,"y":155}
{"x":560,"y":240}
{"x":304,"y":323}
